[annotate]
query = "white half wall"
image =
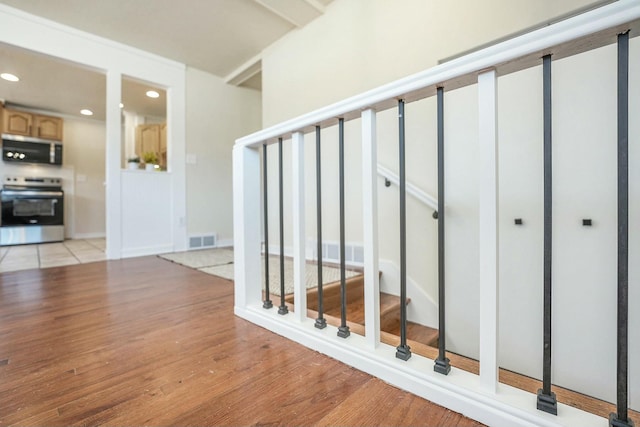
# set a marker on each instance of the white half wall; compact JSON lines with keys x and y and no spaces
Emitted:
{"x":148,"y":231}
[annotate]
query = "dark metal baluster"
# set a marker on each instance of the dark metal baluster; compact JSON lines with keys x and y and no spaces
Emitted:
{"x":283,"y":307}
{"x":343,"y":330}
{"x":546,"y":398}
{"x":321,"y":322}
{"x":441,"y":365}
{"x":267,"y":300}
{"x":621,"y":417}
{"x":403,"y":351}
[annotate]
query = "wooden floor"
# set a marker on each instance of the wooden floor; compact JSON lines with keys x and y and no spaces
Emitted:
{"x":148,"y":342}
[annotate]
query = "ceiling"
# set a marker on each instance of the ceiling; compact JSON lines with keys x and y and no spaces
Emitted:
{"x":222,"y":37}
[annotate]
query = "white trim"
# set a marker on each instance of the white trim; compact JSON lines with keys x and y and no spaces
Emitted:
{"x":85,"y":236}
{"x":224,"y":243}
{"x":147,"y":250}
{"x":246,"y":225}
{"x":370,"y":229}
{"x":245,"y":71}
{"x":488,"y":227}
{"x":113,"y":174}
{"x":298,"y":215}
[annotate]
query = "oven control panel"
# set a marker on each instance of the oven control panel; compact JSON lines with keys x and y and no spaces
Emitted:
{"x":33,"y":181}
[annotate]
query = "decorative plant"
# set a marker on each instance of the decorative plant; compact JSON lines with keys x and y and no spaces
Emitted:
{"x":150,"y":157}
{"x":133,"y":159}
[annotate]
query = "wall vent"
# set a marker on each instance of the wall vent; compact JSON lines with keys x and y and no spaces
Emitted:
{"x":353,"y":254}
{"x":199,"y":242}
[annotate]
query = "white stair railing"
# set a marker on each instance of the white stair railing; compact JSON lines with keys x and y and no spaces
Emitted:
{"x":478,"y":396}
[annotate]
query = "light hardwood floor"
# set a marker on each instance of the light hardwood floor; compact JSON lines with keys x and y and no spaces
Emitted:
{"x":145,"y":341}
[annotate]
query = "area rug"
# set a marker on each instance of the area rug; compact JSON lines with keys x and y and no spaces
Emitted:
{"x":219,"y":262}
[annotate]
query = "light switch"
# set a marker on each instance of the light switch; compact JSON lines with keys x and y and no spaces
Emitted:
{"x":81,"y":178}
{"x":191,"y":159}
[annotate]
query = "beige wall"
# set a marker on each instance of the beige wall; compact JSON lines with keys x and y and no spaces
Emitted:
{"x":84,"y":150}
{"x":360,"y":44}
{"x":217,"y":114}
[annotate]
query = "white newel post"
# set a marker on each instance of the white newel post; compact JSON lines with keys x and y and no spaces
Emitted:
{"x":246,"y":226}
{"x":488,"y":217}
{"x":370,"y":228}
{"x":297,"y":178}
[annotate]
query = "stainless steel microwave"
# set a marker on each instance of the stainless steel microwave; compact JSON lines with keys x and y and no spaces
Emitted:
{"x":24,"y":149}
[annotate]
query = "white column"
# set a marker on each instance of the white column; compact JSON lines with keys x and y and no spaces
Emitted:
{"x":176,"y":131}
{"x":488,"y":217}
{"x":370,"y":228}
{"x":297,"y":190}
{"x":246,"y":226}
{"x":113,"y":193}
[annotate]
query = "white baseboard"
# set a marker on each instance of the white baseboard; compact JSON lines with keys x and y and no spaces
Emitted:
{"x":224,"y":243}
{"x":89,"y":236}
{"x":459,"y":391}
{"x":146,"y":250}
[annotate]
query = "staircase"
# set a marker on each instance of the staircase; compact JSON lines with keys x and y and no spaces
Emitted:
{"x":389,"y":312}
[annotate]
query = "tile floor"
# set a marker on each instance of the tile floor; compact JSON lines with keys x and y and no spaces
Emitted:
{"x":24,"y":257}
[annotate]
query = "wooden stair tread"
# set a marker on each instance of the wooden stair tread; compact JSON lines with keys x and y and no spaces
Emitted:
{"x":416,"y":332}
{"x":331,"y":292}
{"x":389,"y":304}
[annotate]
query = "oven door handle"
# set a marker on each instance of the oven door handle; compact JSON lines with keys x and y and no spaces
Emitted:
{"x":31,"y":193}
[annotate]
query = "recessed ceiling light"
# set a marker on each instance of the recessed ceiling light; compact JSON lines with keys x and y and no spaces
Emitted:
{"x":86,"y":112}
{"x":153,"y":94}
{"x":121,"y":105}
{"x":9,"y":77}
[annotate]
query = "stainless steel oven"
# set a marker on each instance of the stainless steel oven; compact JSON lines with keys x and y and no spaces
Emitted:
{"x":32,"y":210}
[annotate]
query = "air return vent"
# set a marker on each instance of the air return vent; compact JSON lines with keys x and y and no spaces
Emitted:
{"x":353,"y":254}
{"x":199,"y":242}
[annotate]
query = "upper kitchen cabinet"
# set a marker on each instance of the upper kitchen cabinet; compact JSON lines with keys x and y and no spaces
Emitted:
{"x":48,"y":127}
{"x":152,"y":138}
{"x":17,"y":122}
{"x":27,"y":124}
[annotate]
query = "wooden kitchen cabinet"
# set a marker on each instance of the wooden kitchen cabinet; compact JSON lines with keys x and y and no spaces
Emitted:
{"x":27,"y":124}
{"x":152,"y":138}
{"x":47,"y":127}
{"x":17,"y":122}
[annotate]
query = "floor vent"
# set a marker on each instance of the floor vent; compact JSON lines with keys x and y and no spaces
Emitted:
{"x":199,"y":242}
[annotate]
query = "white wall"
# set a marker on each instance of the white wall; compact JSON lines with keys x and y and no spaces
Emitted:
{"x":355,"y":46}
{"x":217,"y":114}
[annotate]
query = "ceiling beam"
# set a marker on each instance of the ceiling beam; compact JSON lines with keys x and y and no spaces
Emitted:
{"x":296,"y":12}
{"x":245,"y":71}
